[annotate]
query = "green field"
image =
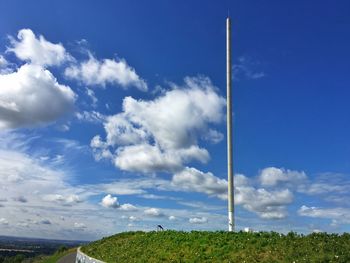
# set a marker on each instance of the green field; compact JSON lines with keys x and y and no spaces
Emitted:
{"x":200,"y":246}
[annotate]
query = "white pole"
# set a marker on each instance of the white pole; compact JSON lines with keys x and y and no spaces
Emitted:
{"x":231,"y":223}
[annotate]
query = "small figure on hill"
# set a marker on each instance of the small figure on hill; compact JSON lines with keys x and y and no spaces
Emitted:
{"x":160,"y":228}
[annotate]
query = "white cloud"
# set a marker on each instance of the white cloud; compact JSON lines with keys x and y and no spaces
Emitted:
{"x":130,"y":186}
{"x":100,"y":149}
{"x":213,"y":136}
{"x":332,"y":185}
{"x":15,"y":172}
{"x":145,"y":158}
{"x":5,"y":66}
{"x":121,"y":131}
{"x":79,"y":225}
{"x":92,"y":96}
{"x":198,"y":220}
{"x":24,"y":178}
{"x":63,"y":199}
{"x":106,"y":71}
{"x":38,"y":51}
{"x":133,"y":218}
{"x":163,"y":134}
{"x":36,"y":179}
{"x":90,"y":116}
{"x":340,"y":214}
{"x":159,"y":197}
{"x":32,"y":96}
{"x":267,"y":204}
{"x":247,"y":68}
{"x":128,"y":207}
{"x":110,"y":202}
{"x":63,"y":127}
{"x":193,"y":180}
{"x":3,"y":61}
{"x":154,"y":212}
{"x":324,"y":188}
{"x":272,"y":176}
{"x":3,"y":221}
{"x":45,"y":185}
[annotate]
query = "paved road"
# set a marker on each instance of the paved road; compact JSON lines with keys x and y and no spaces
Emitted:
{"x":70,"y":258}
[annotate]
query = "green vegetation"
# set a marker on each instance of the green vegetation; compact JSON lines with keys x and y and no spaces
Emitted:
{"x":61,"y":252}
{"x":198,"y":246}
{"x":14,"y":259}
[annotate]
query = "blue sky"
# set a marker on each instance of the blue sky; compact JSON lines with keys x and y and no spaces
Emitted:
{"x":112,"y":116}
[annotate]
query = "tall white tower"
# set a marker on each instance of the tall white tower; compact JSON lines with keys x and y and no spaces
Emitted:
{"x":231,"y":222}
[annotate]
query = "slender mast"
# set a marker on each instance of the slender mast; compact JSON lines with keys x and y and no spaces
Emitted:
{"x":231,"y":223}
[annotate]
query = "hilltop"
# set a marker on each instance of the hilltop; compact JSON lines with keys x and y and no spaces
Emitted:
{"x":200,"y":246}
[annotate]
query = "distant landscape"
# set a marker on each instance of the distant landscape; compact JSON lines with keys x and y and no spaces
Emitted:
{"x":18,"y":249}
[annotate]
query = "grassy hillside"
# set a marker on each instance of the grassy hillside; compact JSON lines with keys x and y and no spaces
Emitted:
{"x":174,"y":246}
{"x":55,"y":257}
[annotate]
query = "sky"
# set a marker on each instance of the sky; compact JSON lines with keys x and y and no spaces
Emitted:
{"x":112,"y":116}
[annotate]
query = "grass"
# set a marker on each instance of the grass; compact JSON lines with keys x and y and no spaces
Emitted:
{"x":55,"y":257}
{"x":200,"y":246}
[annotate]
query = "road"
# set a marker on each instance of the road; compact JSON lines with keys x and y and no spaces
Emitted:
{"x":70,"y":258}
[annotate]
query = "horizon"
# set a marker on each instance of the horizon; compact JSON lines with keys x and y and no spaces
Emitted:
{"x":113,"y":117}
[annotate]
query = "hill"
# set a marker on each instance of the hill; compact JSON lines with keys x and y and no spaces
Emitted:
{"x":200,"y":246}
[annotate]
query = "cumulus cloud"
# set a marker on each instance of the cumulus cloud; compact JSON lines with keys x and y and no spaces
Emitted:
{"x":266,"y":204}
{"x":32,"y":96}
{"x":191,"y":179}
{"x":213,"y":136}
{"x":147,"y":158}
{"x":153,"y":212}
{"x":38,"y":51}
{"x":198,"y":220}
{"x":110,"y":202}
{"x":104,"y":72}
{"x":45,"y":185}
{"x":162,"y":134}
{"x":271,"y":176}
{"x":4,"y":66}
{"x":3,"y":61}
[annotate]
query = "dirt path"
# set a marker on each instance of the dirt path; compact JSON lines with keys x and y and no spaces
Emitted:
{"x":70,"y":258}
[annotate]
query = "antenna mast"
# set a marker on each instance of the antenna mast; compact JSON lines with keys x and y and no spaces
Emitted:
{"x":231,"y":223}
